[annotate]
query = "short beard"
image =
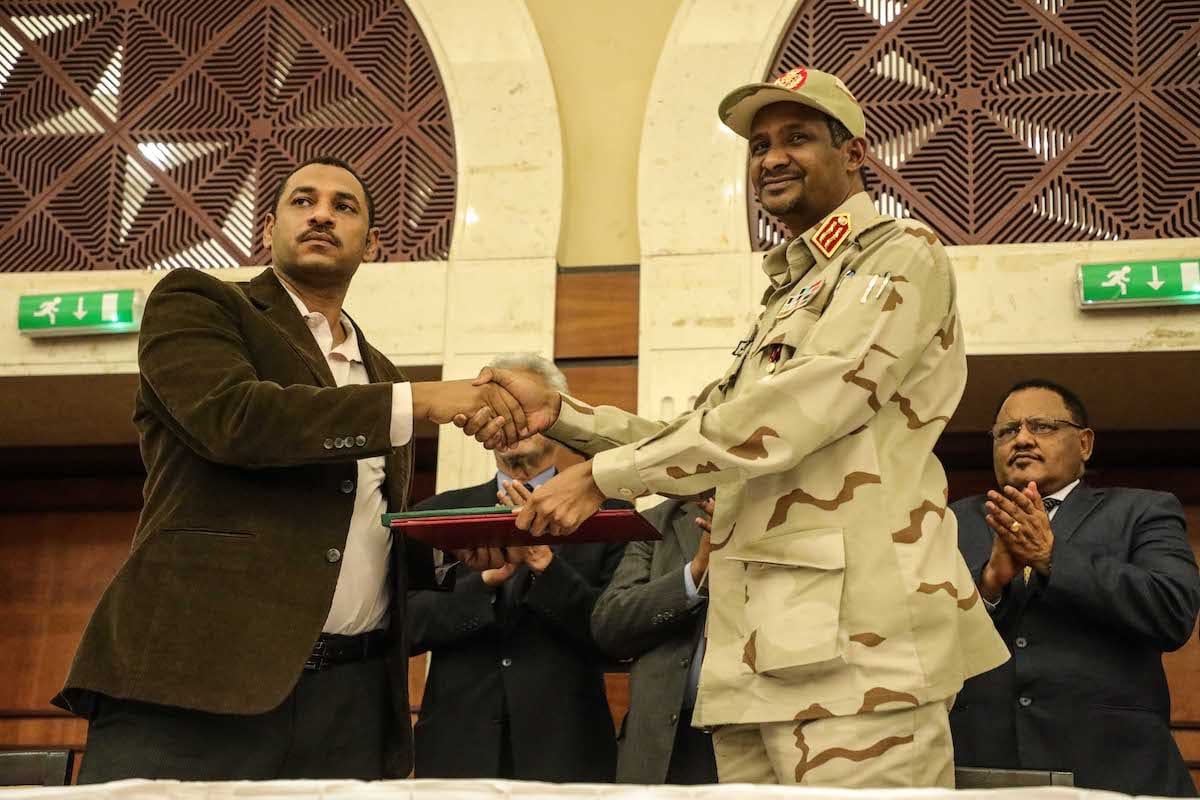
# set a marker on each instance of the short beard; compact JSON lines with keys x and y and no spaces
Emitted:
{"x":318,"y":277}
{"x":781,"y":210}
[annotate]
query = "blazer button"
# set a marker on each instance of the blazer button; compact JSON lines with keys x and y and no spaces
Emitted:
{"x":333,"y":555}
{"x":1025,"y":702}
{"x":506,"y":662}
{"x":337,"y":442}
{"x":674,"y":718}
{"x":1021,"y":641}
{"x":328,"y":444}
{"x":683,"y":662}
{"x":347,"y":486}
{"x":360,"y":440}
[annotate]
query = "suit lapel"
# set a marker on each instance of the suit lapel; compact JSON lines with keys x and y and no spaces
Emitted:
{"x":1075,"y":509}
{"x":268,"y":294}
{"x":687,"y":533}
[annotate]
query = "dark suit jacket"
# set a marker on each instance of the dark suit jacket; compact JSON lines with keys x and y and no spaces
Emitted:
{"x":231,"y":573}
{"x":1085,"y":689}
{"x":645,"y":614}
{"x":532,"y":664}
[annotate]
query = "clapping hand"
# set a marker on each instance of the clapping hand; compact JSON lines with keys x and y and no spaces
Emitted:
{"x":1020,"y":520}
{"x":538,"y":556}
{"x":700,"y":560}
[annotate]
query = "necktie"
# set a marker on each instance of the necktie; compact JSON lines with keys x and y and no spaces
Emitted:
{"x":1050,"y":503}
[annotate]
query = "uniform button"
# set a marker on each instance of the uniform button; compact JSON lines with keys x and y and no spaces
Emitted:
{"x":338,"y":442}
{"x":347,"y":486}
{"x":333,"y":555}
{"x":348,"y":441}
{"x":329,"y":444}
{"x":1021,"y":641}
{"x":1025,"y":702}
{"x":674,"y":718}
{"x":625,"y":492}
{"x":683,"y":662}
{"x":506,"y":662}
{"x":360,"y":440}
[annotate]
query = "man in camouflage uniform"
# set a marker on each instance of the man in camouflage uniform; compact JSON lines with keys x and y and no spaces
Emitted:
{"x":842,"y":619}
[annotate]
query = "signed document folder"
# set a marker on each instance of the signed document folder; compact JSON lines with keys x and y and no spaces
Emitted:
{"x":495,"y":526}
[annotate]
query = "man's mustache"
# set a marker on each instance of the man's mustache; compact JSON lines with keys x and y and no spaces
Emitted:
{"x":320,"y":234}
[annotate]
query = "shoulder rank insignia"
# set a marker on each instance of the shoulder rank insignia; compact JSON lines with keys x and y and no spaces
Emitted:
{"x":831,"y":233}
{"x":799,"y":299}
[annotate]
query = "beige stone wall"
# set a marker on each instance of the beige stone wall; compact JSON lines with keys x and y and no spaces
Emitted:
{"x":602,"y":57}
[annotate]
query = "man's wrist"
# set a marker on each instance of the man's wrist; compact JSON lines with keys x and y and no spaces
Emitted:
{"x":990,"y":586}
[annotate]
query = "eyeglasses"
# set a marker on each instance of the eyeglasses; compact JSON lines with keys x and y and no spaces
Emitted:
{"x":1037,"y":426}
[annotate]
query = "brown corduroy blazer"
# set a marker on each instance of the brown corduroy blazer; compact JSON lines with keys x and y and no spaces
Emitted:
{"x":250,"y":453}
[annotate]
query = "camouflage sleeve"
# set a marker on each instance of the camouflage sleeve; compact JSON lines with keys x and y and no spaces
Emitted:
{"x":834,"y":374}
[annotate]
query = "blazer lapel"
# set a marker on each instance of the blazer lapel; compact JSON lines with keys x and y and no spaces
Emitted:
{"x":1075,"y":509}
{"x":268,"y":294}
{"x":687,"y":533}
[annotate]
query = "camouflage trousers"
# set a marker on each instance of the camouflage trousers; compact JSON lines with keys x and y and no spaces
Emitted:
{"x":910,"y":748}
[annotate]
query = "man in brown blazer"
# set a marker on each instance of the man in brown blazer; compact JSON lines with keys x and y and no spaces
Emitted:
{"x":255,"y":630}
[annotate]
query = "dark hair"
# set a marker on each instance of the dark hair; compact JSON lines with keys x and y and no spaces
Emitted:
{"x":328,"y":161}
{"x":839,"y":134}
{"x":1070,"y":399}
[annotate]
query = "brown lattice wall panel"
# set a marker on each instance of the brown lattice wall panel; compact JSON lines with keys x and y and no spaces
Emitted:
{"x":152,"y":133}
{"x":1017,"y":120}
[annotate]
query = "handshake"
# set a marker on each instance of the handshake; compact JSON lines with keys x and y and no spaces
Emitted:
{"x":499,"y":407}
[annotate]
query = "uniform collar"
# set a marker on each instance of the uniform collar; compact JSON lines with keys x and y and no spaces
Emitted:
{"x":791,"y":261}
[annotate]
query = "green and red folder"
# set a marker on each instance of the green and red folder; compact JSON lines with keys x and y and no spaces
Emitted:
{"x":495,"y":526}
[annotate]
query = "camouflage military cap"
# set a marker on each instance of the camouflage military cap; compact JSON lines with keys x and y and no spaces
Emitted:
{"x":808,"y":87}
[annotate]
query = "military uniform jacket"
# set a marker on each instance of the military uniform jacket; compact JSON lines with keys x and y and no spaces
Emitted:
{"x":836,"y":583}
{"x":247,"y":496}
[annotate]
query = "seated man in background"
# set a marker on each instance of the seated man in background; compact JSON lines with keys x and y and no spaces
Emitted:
{"x":1088,"y":587}
{"x":653,"y":612}
{"x":516,"y":684}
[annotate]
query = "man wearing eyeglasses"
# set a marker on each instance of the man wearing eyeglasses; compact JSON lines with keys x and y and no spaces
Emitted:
{"x":1088,"y":587}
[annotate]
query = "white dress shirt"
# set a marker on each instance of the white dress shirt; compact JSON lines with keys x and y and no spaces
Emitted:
{"x":363,"y":593}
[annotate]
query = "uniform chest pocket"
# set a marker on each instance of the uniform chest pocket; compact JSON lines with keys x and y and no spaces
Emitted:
{"x":793,"y":601}
{"x":783,"y":341}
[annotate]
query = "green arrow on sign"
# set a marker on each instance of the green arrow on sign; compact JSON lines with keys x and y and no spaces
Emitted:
{"x":80,"y":313}
{"x":1139,"y":283}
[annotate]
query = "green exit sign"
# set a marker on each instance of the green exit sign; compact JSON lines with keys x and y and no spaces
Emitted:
{"x":1139,"y":283}
{"x":80,"y":313}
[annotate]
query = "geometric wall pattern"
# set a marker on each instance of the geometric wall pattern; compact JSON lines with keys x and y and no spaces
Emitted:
{"x":1017,"y":120}
{"x":152,"y":133}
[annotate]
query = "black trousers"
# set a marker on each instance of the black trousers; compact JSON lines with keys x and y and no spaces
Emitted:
{"x":332,"y":725}
{"x":692,"y":758}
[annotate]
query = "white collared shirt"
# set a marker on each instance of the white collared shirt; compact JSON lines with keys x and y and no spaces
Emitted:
{"x":363,"y":592}
{"x":1061,"y":496}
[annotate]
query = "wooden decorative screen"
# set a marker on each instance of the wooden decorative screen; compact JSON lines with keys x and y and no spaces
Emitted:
{"x":1017,"y":120}
{"x":152,"y":133}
